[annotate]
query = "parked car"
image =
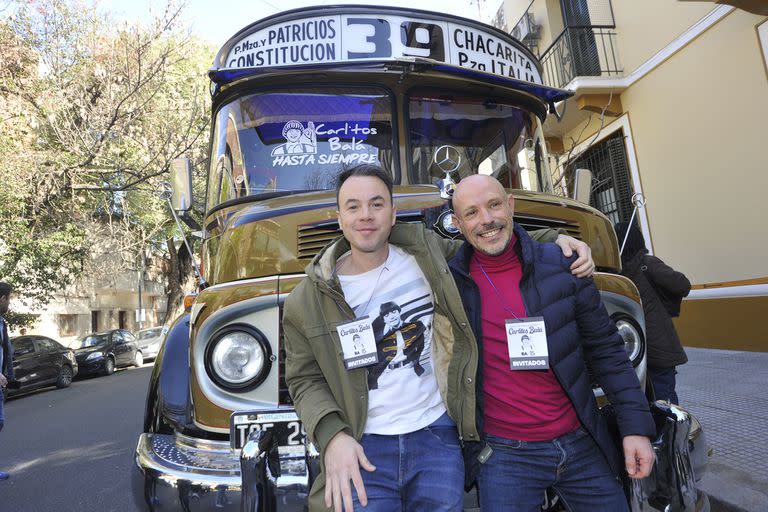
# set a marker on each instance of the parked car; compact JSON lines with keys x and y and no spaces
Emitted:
{"x":150,"y":340}
{"x":103,"y":352}
{"x":40,"y":361}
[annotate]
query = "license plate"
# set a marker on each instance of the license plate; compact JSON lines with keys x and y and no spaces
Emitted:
{"x":286,"y":428}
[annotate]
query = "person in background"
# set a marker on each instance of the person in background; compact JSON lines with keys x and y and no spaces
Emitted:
{"x":662,"y":289}
{"x":6,"y":355}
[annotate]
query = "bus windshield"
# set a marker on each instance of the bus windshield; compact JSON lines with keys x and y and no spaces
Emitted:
{"x":489,"y":137}
{"x":293,"y":141}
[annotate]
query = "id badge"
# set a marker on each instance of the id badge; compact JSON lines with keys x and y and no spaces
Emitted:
{"x":358,"y":343}
{"x":527,"y":344}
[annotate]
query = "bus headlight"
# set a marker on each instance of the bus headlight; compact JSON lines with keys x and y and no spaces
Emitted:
{"x":238,"y":359}
{"x":630,"y":332}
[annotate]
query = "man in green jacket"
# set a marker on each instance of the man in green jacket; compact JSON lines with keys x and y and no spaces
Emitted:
{"x":400,"y":409}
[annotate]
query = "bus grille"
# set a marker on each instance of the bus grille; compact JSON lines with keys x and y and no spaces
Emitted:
{"x":313,"y":237}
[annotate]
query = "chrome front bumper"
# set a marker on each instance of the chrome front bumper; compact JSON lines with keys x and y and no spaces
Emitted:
{"x":177,"y":472}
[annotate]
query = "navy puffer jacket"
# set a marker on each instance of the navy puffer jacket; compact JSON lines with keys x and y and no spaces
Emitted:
{"x":579,"y":334}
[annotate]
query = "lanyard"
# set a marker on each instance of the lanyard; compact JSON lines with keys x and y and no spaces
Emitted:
{"x":384,"y":266}
{"x":498,"y":294}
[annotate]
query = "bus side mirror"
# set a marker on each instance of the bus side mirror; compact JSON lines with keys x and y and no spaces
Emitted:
{"x":582,"y":185}
{"x":181,"y":184}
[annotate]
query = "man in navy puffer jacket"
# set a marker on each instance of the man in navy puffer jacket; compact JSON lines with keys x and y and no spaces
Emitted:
{"x":539,"y":328}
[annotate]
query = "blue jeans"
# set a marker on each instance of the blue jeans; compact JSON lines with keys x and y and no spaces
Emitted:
{"x":2,"y":412}
{"x":663,"y":380}
{"x":517,"y":474}
{"x":419,"y":471}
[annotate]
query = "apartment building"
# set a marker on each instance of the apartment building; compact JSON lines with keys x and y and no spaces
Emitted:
{"x":109,"y":296}
{"x":670,"y":106}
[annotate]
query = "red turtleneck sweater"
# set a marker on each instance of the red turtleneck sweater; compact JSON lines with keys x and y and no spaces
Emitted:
{"x":527,"y":405}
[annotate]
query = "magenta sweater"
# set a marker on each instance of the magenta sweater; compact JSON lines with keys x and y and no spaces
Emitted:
{"x":525,"y":405}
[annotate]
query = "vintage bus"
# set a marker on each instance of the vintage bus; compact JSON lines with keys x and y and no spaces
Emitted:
{"x":297,"y":98}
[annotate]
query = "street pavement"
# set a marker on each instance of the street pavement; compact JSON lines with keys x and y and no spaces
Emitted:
{"x":727,"y":391}
{"x":71,"y":449}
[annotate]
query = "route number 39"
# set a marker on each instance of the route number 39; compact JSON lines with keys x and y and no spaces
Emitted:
{"x":416,"y":39}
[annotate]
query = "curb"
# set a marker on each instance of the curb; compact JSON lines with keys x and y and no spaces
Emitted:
{"x":718,"y":505}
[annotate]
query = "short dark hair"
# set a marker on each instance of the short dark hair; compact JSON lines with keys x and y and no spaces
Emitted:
{"x":5,"y":289}
{"x":364,"y":170}
{"x":389,"y":307}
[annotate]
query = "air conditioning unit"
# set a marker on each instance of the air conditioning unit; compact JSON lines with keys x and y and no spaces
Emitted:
{"x":526,"y":29}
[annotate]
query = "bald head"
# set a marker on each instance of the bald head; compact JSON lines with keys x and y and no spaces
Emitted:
{"x":471,"y":184}
{"x":482,"y":210}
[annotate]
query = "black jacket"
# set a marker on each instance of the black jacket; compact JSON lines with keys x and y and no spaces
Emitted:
{"x":647,"y":272}
{"x":579,"y":333}
{"x":7,"y":348}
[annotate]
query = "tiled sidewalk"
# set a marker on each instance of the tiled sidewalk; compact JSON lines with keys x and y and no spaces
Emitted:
{"x":728,"y":392}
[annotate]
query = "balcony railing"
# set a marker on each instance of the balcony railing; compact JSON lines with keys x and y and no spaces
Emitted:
{"x":580,"y":51}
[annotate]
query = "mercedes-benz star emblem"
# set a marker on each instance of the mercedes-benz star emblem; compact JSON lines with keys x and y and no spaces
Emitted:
{"x":447,"y":158}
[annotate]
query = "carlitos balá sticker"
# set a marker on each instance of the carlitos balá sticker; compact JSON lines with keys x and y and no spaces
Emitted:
{"x":298,"y":140}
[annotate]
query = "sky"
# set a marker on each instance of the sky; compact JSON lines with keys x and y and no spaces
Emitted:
{"x":217,"y":21}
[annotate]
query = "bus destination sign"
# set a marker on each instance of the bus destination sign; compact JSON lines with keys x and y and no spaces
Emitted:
{"x":355,"y":37}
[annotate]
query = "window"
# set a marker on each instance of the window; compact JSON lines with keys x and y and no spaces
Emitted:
{"x":94,"y":340}
{"x":67,"y":324}
{"x":23,"y":346}
{"x":611,"y":187}
{"x":46,"y":345}
{"x":95,"y":321}
{"x":149,"y":333}
{"x":295,"y":141}
{"x":490,"y":137}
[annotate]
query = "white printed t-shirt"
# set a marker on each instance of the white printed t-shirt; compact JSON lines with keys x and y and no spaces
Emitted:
{"x":403,"y":395}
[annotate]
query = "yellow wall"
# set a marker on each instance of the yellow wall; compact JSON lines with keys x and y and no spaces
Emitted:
{"x":513,"y":9}
{"x":584,"y":131}
{"x":644,"y":27}
{"x":699,"y":127}
{"x":546,"y":14}
{"x":697,"y":328}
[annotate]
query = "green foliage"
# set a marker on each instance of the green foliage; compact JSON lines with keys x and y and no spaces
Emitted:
{"x":93,"y":112}
{"x":18,"y":320}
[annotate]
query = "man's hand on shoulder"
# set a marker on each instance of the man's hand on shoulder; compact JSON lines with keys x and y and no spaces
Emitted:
{"x":584,"y":266}
{"x":638,"y":456}
{"x":343,"y":459}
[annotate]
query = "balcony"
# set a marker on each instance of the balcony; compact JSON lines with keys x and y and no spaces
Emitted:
{"x":585,"y":47}
{"x":580,"y":51}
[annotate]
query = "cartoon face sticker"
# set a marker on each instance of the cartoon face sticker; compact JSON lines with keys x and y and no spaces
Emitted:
{"x":299,"y":140}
